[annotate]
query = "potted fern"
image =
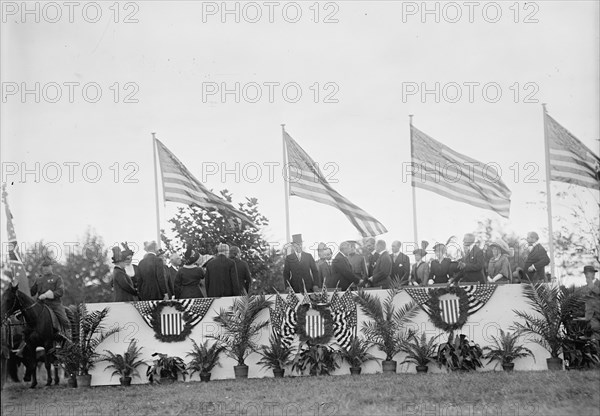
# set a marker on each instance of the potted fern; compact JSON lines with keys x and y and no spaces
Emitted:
{"x":356,"y":354}
{"x":240,"y":329}
{"x":204,"y":359}
{"x":166,"y":369}
{"x":419,"y":350}
{"x":276,"y":355}
{"x":553,"y":307}
{"x":385,"y":329}
{"x":505,"y":350}
{"x":124,"y":365}
{"x":458,"y":354}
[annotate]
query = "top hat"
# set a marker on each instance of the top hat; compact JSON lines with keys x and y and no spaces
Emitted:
{"x":589,"y":269}
{"x":297,"y":238}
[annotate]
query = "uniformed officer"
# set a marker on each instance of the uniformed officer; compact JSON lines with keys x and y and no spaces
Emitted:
{"x":50,"y":289}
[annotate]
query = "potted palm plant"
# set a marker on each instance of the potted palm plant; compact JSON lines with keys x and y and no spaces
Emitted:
{"x":87,"y":334}
{"x":419,"y":350}
{"x":356,"y":354}
{"x":240,"y":329}
{"x":165,"y":369}
{"x":276,"y":355}
{"x":385,"y":329}
{"x":124,"y":365}
{"x":553,"y":307}
{"x":505,"y":350}
{"x":458,"y":354}
{"x":204,"y":359}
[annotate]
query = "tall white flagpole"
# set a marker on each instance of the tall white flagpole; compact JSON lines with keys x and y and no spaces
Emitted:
{"x":414,"y":193}
{"x":286,"y":187}
{"x":549,"y":198}
{"x":156,"y":190}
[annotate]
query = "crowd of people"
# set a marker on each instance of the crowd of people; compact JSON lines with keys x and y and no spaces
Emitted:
{"x":371,"y":265}
{"x":190,"y":276}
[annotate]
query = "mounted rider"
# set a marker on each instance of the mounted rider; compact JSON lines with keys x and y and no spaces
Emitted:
{"x":49,"y":289}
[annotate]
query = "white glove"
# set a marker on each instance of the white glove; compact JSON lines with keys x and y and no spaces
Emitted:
{"x":46,"y":295}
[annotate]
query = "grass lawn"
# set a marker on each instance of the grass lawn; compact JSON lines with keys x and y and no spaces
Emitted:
{"x":492,"y":393}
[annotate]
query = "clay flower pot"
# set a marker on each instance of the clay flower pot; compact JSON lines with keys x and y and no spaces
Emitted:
{"x":389,"y":366}
{"x":241,"y":371}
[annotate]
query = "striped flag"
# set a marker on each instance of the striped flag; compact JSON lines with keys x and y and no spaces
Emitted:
{"x":439,"y":169}
{"x":307,"y":181}
{"x":570,"y":160}
{"x":179,"y":185}
{"x":449,"y":310}
{"x":171,"y":323}
{"x":14,"y":257}
{"x":343,"y":310}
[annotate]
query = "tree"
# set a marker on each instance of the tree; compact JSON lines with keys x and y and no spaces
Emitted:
{"x":84,"y":268}
{"x":205,"y":228}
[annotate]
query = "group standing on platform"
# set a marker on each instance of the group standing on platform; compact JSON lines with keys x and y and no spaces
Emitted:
{"x":369,"y":264}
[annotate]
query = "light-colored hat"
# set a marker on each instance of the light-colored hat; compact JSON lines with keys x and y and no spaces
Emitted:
{"x":501,"y":244}
{"x":222,"y":248}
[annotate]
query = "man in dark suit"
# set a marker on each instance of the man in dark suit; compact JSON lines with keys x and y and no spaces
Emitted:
{"x":171,"y":272}
{"x":341,"y":270}
{"x":300,"y":270}
{"x":243,"y":269}
{"x":370,"y":254}
{"x":472,"y":264}
{"x":324,"y":266}
{"x":151,"y":283}
{"x":400,"y":263}
{"x":537,"y":259}
{"x":383,"y":267}
{"x":221,"y":275}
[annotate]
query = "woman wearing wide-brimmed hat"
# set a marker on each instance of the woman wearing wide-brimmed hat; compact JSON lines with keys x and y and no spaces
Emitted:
{"x":499,"y":267}
{"x":439,"y":267}
{"x":188,"y":278}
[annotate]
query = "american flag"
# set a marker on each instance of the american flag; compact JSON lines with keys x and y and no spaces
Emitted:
{"x":179,"y":185}
{"x":195,"y":309}
{"x":450,"y":310}
{"x":14,"y":257}
{"x":448,"y":173}
{"x":307,"y":181}
{"x":570,"y":160}
{"x":283,"y":318}
{"x":343,"y":310}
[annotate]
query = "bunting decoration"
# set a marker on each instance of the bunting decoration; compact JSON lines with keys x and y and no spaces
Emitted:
{"x":449,"y":307}
{"x":176,"y":325}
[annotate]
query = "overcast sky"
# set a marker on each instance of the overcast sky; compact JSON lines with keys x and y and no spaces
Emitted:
{"x":356,"y":65}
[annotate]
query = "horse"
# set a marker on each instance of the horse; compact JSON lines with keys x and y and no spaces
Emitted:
{"x":39,"y":332}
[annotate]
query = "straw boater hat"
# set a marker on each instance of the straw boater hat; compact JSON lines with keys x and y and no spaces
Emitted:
{"x":501,"y":244}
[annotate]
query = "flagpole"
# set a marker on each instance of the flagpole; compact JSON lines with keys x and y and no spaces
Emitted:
{"x":414,"y":193}
{"x":156,"y":191}
{"x":549,"y":197}
{"x":286,"y":187}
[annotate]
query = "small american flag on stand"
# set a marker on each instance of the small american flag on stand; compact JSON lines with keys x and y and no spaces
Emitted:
{"x":344,"y":317}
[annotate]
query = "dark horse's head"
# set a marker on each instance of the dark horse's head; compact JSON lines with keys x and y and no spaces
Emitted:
{"x":13,"y":300}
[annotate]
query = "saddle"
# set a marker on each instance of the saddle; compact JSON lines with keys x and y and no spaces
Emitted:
{"x":56,"y":327}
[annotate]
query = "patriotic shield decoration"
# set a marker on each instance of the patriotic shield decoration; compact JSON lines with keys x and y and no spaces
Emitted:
{"x":171,"y":321}
{"x":315,"y":325}
{"x":449,"y":308}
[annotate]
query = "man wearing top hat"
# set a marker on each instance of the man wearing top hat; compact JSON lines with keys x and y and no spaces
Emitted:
{"x":50,"y":289}
{"x":300,"y":270}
